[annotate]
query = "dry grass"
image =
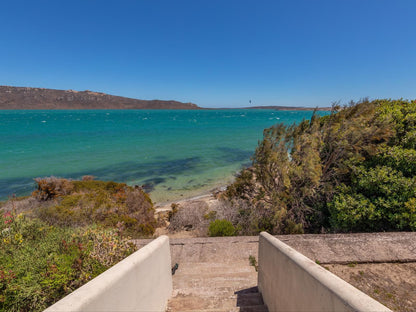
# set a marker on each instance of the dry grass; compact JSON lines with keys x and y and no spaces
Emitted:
{"x":392,"y":284}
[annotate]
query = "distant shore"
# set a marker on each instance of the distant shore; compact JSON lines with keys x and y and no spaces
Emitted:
{"x":289,"y":108}
{"x":25,"y":98}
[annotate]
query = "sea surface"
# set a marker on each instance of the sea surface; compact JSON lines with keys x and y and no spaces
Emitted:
{"x":173,"y":153}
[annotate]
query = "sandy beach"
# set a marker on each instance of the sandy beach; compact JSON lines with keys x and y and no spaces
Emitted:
{"x":208,"y":201}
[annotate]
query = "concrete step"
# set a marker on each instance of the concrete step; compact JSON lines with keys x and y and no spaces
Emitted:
{"x":213,"y":285}
{"x":207,"y":292}
{"x":216,"y":286}
{"x":211,"y":304}
{"x":249,"y":299}
{"x":196,"y":303}
{"x":226,"y":275}
{"x":192,"y":302}
{"x":257,"y":308}
{"x":212,"y":250}
{"x":214,"y":268}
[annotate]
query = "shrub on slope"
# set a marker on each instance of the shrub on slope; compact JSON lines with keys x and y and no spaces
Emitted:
{"x":353,"y":170}
{"x":40,"y":263}
{"x":80,"y":203}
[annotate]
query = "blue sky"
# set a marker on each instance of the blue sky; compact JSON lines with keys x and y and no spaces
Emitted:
{"x":214,"y":53}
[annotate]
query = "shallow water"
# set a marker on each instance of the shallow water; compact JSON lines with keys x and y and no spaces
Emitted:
{"x":174,"y":153}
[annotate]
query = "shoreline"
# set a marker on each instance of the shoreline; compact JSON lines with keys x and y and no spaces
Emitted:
{"x":162,"y":197}
{"x":203,"y":196}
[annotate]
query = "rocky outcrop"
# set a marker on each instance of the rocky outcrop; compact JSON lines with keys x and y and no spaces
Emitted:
{"x":39,"y":98}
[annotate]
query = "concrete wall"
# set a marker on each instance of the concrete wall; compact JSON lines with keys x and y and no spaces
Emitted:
{"x":289,"y":281}
{"x":141,"y":282}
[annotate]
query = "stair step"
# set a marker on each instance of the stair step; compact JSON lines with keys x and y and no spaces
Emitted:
{"x":197,"y":279}
{"x":257,"y":308}
{"x":191,"y":303}
{"x":214,"y":284}
{"x":206,"y":292}
{"x":213,"y":268}
{"x":249,"y":299}
{"x":215,"y":252}
{"x":224,"y":285}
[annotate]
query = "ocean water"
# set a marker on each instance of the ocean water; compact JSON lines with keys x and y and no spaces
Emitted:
{"x":173,"y":153}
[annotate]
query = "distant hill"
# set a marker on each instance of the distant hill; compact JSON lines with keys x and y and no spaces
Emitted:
{"x":39,"y":98}
{"x":290,"y":108}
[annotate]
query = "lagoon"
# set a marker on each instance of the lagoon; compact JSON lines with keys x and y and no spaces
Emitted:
{"x":173,"y":153}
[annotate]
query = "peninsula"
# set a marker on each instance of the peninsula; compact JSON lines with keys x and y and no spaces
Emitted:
{"x":39,"y":98}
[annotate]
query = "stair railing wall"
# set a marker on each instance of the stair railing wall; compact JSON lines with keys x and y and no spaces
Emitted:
{"x":289,"y":281}
{"x":141,"y":282}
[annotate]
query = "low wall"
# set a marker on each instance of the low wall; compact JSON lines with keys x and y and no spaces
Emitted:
{"x":141,"y":282}
{"x":289,"y":281}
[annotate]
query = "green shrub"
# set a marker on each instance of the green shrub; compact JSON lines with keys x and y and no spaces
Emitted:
{"x":378,"y":199}
{"x":221,"y":228}
{"x":88,"y":202}
{"x":353,"y":170}
{"x":242,"y":185}
{"x":40,"y":264}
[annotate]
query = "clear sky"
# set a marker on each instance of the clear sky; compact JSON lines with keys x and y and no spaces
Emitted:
{"x":215,"y":53}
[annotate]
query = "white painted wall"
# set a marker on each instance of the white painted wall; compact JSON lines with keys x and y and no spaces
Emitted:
{"x":141,"y":282}
{"x":289,"y":281}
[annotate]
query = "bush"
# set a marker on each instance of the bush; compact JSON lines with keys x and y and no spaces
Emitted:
{"x":221,"y":228}
{"x":51,"y":187}
{"x":107,"y":203}
{"x":378,"y":199}
{"x":40,"y":264}
{"x":352,"y":170}
{"x":87,"y":178}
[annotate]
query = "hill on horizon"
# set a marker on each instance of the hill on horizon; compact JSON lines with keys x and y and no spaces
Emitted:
{"x":40,"y":98}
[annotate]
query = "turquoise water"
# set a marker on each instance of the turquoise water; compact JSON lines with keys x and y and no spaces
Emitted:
{"x":175,"y":154}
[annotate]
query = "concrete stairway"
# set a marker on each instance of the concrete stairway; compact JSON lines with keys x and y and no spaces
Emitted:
{"x":220,"y":262}
{"x":209,"y":280}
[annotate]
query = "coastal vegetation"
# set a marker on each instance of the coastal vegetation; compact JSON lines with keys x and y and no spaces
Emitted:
{"x":64,"y":235}
{"x":352,"y":170}
{"x":78,"y":203}
{"x":221,"y":227}
{"x":41,"y":263}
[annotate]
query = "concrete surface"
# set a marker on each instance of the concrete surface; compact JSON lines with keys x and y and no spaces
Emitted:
{"x":356,"y":247}
{"x":385,"y":247}
{"x":214,"y":274}
{"x":289,"y":281}
{"x":141,"y":282}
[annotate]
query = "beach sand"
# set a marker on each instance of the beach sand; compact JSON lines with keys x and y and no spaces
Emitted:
{"x":208,"y":199}
{"x":161,"y":196}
